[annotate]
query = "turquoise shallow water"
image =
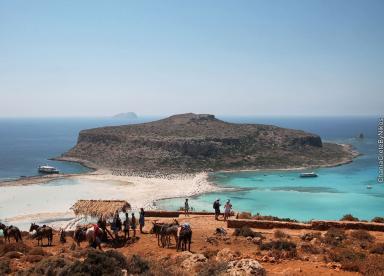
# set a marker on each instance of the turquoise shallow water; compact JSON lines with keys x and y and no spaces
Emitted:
{"x":337,"y":191}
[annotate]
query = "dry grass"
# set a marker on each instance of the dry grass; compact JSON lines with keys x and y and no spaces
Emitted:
{"x":311,"y":249}
{"x":334,"y":236}
{"x":362,"y":235}
{"x":377,"y":248}
{"x":19,"y":247}
{"x":100,"y":208}
{"x":212,"y":268}
{"x":5,"y":267}
{"x":278,"y":234}
{"x":347,"y":257}
{"x":244,"y":215}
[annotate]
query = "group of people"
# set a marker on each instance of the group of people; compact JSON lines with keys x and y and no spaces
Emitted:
{"x":128,"y":224}
{"x":227,"y":209}
{"x":216,"y":207}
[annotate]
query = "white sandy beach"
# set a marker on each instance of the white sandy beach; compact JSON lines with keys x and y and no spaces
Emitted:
{"x":50,"y":202}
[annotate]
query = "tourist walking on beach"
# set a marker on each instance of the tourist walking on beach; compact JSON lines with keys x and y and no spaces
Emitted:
{"x":186,"y":207}
{"x":141,"y":220}
{"x":227,"y":209}
{"x":216,"y":206}
{"x":133,"y":224}
{"x":126,"y":226}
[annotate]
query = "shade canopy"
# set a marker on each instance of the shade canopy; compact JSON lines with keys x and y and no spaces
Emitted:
{"x":100,"y":208}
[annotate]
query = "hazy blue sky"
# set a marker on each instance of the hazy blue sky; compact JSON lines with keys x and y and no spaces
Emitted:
{"x":87,"y":58}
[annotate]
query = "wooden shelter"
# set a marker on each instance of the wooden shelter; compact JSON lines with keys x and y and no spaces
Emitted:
{"x":100,"y":208}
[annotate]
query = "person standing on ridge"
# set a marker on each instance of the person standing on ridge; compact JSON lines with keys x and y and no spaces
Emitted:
{"x":216,"y":206}
{"x":227,"y":210}
{"x":141,"y":219}
{"x":186,"y":208}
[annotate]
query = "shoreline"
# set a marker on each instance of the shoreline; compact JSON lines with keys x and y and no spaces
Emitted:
{"x":52,"y":202}
{"x":97,"y":170}
{"x":140,"y":189}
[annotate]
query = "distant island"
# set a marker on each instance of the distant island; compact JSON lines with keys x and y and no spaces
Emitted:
{"x":126,"y":115}
{"x":189,"y":143}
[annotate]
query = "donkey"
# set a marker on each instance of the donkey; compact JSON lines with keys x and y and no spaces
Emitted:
{"x":90,"y":233}
{"x":168,"y":230}
{"x":184,"y":238}
{"x":42,"y":232}
{"x":156,"y":229}
{"x":11,"y":231}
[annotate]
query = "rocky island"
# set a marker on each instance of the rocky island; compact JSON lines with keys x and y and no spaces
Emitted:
{"x":190,"y":143}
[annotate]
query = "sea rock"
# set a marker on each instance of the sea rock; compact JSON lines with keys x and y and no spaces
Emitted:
{"x":193,"y":261}
{"x":245,"y":267}
{"x":226,"y":255}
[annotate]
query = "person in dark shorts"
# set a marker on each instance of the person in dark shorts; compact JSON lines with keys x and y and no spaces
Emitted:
{"x":126,"y":226}
{"x":216,"y":206}
{"x":141,"y":219}
{"x":133,"y":224}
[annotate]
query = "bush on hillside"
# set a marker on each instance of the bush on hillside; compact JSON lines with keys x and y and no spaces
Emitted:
{"x":349,"y":217}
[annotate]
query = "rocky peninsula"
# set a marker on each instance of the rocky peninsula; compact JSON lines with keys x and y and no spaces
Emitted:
{"x":190,"y":143}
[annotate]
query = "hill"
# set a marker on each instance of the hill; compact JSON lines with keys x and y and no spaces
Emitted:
{"x":200,"y":142}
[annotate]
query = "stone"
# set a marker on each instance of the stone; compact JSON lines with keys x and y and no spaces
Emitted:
{"x":193,"y":261}
{"x":245,"y":267}
{"x":182,"y":256}
{"x":257,"y":240}
{"x":226,"y":255}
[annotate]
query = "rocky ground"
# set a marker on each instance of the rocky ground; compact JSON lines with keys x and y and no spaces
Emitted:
{"x":238,"y":252}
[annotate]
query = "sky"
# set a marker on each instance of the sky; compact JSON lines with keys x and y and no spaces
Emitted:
{"x":271,"y":58}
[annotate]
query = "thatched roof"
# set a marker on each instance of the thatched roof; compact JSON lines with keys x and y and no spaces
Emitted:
{"x":100,"y":208}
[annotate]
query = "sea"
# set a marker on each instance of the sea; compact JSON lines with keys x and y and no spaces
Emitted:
{"x":26,"y":143}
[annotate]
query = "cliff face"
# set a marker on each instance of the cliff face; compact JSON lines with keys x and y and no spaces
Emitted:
{"x":197,"y":142}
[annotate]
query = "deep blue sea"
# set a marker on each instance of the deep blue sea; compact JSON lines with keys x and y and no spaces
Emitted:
{"x":27,"y":143}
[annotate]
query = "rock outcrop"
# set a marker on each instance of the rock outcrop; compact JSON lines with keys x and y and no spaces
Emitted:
{"x":199,"y":142}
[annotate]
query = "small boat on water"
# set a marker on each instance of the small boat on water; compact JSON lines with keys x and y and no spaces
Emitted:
{"x":369,"y":187}
{"x":48,"y":169}
{"x":310,"y":174}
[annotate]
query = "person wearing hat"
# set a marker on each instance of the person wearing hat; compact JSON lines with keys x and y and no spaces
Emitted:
{"x":216,"y":206}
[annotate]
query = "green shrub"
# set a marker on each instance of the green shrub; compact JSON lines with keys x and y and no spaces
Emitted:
{"x":245,"y":231}
{"x":278,"y":245}
{"x":378,"y":219}
{"x":349,"y":217}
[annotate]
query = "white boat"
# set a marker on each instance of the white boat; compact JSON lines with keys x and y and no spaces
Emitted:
{"x":310,"y":174}
{"x":47,"y":169}
{"x":369,"y":187}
